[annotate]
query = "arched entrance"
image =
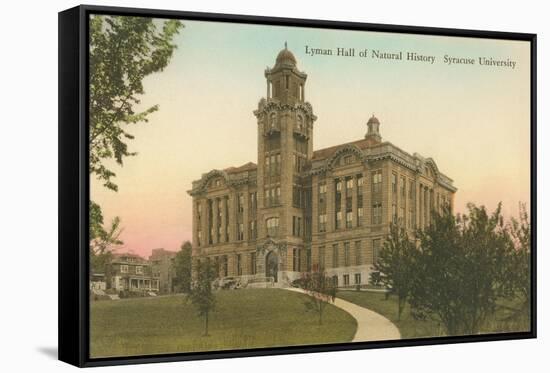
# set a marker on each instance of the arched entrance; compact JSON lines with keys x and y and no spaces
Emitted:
{"x":271,"y":265}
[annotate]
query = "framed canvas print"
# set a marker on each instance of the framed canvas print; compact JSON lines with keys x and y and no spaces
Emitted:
{"x":236,"y":186}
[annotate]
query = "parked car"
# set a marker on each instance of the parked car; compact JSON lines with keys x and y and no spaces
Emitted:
{"x":226,"y":283}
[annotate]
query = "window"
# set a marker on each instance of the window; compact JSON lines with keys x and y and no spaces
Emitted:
{"x":360,"y":184}
{"x":375,"y":249}
{"x":411,"y":189}
{"x":338,"y":186}
{"x":394,"y":212}
{"x":403,"y":186}
{"x":377,"y":213}
{"x":357,"y":279}
{"x":296,"y":260}
{"x":239,"y":265}
{"x":357,"y":253}
{"x":253,"y":263}
{"x":348,"y":159}
{"x":321,"y":257}
{"x":240,"y":233}
{"x":124,"y":268}
{"x":323,"y":223}
{"x":338,"y":221}
{"x":225,"y":266}
{"x":359,"y":216}
{"x":335,"y":255}
{"x":300,"y":145}
{"x":272,"y":196}
{"x":349,"y":184}
{"x":272,"y":120}
{"x":346,"y":280}
{"x":322,"y":189}
{"x":253,"y":201}
{"x":335,"y":280}
{"x":296,"y":226}
{"x":401,"y":218}
{"x":296,"y":196}
{"x":377,"y":181}
{"x":394,"y":183}
{"x":253,"y":230}
{"x":346,"y":254}
{"x":349,"y":217}
{"x":199,"y":238}
{"x":273,"y":142}
{"x":272,"y":226}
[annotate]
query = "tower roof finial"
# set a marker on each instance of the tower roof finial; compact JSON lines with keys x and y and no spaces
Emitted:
{"x":285,"y":45}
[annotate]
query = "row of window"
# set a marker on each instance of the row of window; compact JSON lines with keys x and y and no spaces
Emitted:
{"x":346,"y":278}
{"x":221,"y":264}
{"x":125,"y":269}
{"x":349,"y":256}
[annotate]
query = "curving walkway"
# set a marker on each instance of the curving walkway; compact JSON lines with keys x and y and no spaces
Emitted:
{"x":371,"y":326}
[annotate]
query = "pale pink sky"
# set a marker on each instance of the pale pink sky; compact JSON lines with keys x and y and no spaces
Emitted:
{"x":473,"y":120}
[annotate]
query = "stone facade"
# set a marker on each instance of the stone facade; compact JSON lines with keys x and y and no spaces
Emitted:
{"x":298,"y":209}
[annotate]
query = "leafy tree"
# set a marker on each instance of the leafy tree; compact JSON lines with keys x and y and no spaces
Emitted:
{"x":394,"y":267}
{"x":201,"y":294}
{"x":320,"y":290}
{"x":102,"y":241}
{"x":182,"y":267}
{"x":123,"y":51}
{"x":459,"y":269}
{"x":519,"y":271}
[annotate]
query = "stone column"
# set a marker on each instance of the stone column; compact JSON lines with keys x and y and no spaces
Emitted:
{"x":343,"y":196}
{"x":426,"y":206}
{"x":204,"y":221}
{"x":354,"y":222}
{"x":367,"y":197}
{"x":233,"y":216}
{"x":246,"y":214}
{"x":224,"y":218}
{"x":330,"y":204}
{"x":195,"y":222}
{"x":314,"y":205}
{"x":215,"y":219}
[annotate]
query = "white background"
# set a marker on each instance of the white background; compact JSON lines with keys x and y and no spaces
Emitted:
{"x":28,"y":185}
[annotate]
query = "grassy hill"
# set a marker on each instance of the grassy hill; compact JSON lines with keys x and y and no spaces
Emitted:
{"x":246,"y":318}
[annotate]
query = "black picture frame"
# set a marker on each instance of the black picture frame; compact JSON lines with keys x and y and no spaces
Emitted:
{"x":74,"y":183}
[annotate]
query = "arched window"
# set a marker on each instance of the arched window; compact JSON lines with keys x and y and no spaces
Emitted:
{"x":272,"y":120}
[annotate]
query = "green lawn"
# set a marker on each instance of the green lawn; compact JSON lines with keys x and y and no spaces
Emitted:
{"x":411,"y":328}
{"x":248,"y":318}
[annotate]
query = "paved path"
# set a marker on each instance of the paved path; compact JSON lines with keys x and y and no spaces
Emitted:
{"x":371,"y":326}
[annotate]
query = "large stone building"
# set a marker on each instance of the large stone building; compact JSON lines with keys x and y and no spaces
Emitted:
{"x":298,"y":209}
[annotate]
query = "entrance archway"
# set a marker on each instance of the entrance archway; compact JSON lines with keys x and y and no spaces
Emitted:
{"x":272,"y":265}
